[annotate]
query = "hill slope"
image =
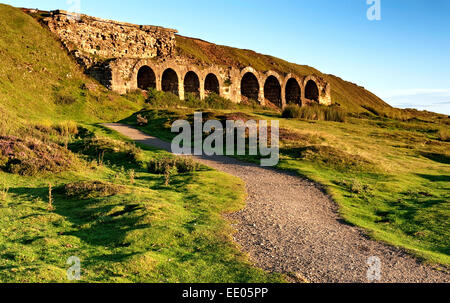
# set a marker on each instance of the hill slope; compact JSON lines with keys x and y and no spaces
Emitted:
{"x":349,"y":95}
{"x":39,"y":80}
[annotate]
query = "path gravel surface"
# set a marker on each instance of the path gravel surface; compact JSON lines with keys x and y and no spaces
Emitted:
{"x":291,"y":226}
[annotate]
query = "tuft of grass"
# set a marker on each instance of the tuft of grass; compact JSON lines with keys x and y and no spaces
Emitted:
{"x":444,"y":135}
{"x":291,"y":111}
{"x":92,"y":189}
{"x":315,"y":112}
{"x":63,"y":99}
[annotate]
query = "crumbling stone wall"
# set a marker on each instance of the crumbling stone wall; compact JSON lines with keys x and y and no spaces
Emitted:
{"x":106,"y":39}
{"x":96,"y":42}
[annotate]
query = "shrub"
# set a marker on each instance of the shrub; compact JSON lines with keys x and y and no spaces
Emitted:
{"x":444,"y":135}
{"x":336,"y":114}
{"x":159,"y":99}
{"x":64,"y":99}
{"x":356,"y":187}
{"x":31,"y":156}
{"x":92,"y":189}
{"x":182,"y":164}
{"x":108,"y":149}
{"x":217,"y":102}
{"x":292,"y":111}
{"x":315,"y":112}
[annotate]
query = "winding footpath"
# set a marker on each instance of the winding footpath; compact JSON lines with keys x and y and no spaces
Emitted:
{"x":291,"y":226}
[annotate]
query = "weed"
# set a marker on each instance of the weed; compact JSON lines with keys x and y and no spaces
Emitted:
{"x":141,"y":121}
{"x":132,"y":175}
{"x":4,"y":192}
{"x":50,"y":198}
{"x":169,"y":171}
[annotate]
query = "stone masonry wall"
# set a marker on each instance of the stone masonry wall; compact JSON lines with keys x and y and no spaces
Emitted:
{"x":92,"y":39}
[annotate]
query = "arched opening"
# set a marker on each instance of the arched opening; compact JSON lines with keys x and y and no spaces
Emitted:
{"x":212,"y":84}
{"x":272,"y":91}
{"x":312,"y":91}
{"x":146,"y":78}
{"x":293,"y":92}
{"x":170,"y":81}
{"x":192,"y":84}
{"x":250,"y":86}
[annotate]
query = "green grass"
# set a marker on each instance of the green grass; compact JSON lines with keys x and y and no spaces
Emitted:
{"x":388,"y":176}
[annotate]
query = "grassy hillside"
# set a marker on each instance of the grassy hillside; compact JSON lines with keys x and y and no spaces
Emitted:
{"x":38,"y":80}
{"x":351,"y":96}
{"x":68,"y":187}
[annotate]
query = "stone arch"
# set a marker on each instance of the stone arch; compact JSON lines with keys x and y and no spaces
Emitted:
{"x":170,"y":81}
{"x":146,"y":78}
{"x":272,"y":89}
{"x":192,"y":83}
{"x":293,"y":90}
{"x":312,"y":91}
{"x":250,"y":86}
{"x":212,"y":84}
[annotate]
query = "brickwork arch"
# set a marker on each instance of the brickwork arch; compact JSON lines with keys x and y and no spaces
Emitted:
{"x":146,"y":78}
{"x":212,"y":84}
{"x":191,"y":82}
{"x":292,"y":89}
{"x":250,"y":85}
{"x":273,"y":88}
{"x":311,"y":88}
{"x":170,"y":81}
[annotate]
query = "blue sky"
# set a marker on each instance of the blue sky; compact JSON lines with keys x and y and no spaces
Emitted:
{"x":403,"y":58}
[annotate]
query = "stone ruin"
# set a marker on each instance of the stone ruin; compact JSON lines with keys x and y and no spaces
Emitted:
{"x":125,"y":57}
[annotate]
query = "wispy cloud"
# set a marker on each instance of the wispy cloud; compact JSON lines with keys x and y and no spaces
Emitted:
{"x":436,"y":100}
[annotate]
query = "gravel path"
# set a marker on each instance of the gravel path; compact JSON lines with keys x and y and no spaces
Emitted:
{"x":290,"y":226}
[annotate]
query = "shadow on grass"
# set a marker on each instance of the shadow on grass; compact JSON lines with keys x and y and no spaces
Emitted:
{"x":94,"y":220}
{"x":435,"y":178}
{"x":440,"y":158}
